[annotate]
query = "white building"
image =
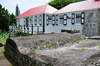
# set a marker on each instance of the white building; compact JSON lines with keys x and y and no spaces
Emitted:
{"x":81,"y":15}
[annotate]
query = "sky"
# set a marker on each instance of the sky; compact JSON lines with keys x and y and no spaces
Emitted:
{"x":23,"y":5}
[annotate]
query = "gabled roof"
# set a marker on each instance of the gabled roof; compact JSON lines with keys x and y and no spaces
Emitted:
{"x":38,"y":10}
{"x":84,"y":5}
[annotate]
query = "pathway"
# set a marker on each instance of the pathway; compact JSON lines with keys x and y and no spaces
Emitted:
{"x":3,"y":61}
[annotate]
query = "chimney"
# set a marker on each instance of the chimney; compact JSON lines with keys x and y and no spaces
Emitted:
{"x":97,"y":0}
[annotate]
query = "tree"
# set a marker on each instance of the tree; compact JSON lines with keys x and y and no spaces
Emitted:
{"x":61,"y":3}
{"x":17,"y":11}
{"x":12,"y":19}
{"x":6,"y":19}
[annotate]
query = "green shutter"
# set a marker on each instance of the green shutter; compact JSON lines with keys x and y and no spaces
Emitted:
{"x":47,"y":19}
{"x":73,"y":19}
{"x":82,"y":18}
{"x":56,"y":19}
{"x":35,"y":20}
{"x":53,"y":20}
{"x":65,"y":19}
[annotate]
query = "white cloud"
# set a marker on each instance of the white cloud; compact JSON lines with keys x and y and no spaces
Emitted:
{"x":23,"y":4}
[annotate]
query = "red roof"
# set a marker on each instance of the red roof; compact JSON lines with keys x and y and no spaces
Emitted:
{"x":38,"y":10}
{"x":84,"y":5}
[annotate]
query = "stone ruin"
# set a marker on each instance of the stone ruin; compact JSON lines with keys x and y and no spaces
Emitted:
{"x":48,"y":50}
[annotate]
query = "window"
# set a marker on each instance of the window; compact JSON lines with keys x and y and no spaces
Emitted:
{"x":56,"y":19}
{"x":50,"y":20}
{"x":61,"y":19}
{"x":24,"y":20}
{"x":78,"y":18}
{"x":27,"y":22}
{"x":40,"y":20}
{"x":31,"y":19}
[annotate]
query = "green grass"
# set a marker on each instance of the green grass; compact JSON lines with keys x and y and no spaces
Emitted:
{"x":34,"y":50}
{"x":98,"y":47}
{"x":69,"y":46}
{"x":49,"y":45}
{"x":84,"y":49}
{"x":33,"y":60}
{"x":84,"y":37}
{"x":42,"y":61}
{"x":22,"y":47}
{"x":3,"y":40}
{"x":63,"y":41}
{"x":78,"y":41}
{"x":2,"y":49}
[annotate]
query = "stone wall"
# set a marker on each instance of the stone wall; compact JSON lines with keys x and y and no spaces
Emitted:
{"x":90,"y":27}
{"x":19,"y":58}
{"x":27,"y":51}
{"x":99,"y":21}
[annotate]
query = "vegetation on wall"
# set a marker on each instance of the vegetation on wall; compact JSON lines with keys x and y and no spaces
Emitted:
{"x":61,"y":3}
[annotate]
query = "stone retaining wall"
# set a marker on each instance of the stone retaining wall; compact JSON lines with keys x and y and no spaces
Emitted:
{"x":19,"y":58}
{"x":21,"y":49}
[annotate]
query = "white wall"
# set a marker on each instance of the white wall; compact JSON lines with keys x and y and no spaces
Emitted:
{"x":57,"y":28}
{"x":35,"y":26}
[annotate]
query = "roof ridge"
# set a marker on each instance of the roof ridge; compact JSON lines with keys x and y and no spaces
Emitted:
{"x":45,"y":8}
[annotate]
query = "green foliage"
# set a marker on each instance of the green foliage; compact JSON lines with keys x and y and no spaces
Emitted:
{"x":17,"y":11}
{"x":2,"y":49}
{"x":0,"y":31}
{"x":78,"y":41}
{"x":83,"y":49}
{"x":63,"y":41}
{"x":22,"y":47}
{"x":3,"y":40}
{"x":6,"y":19}
{"x":61,"y":3}
{"x":8,"y":55}
{"x":42,"y":61}
{"x":4,"y":37}
{"x":34,"y":50}
{"x":84,"y":37}
{"x":18,"y":60}
{"x":73,"y":38}
{"x":49,"y":45}
{"x":69,"y":46}
{"x":41,"y":45}
{"x":33,"y":60}
{"x":98,"y":47}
